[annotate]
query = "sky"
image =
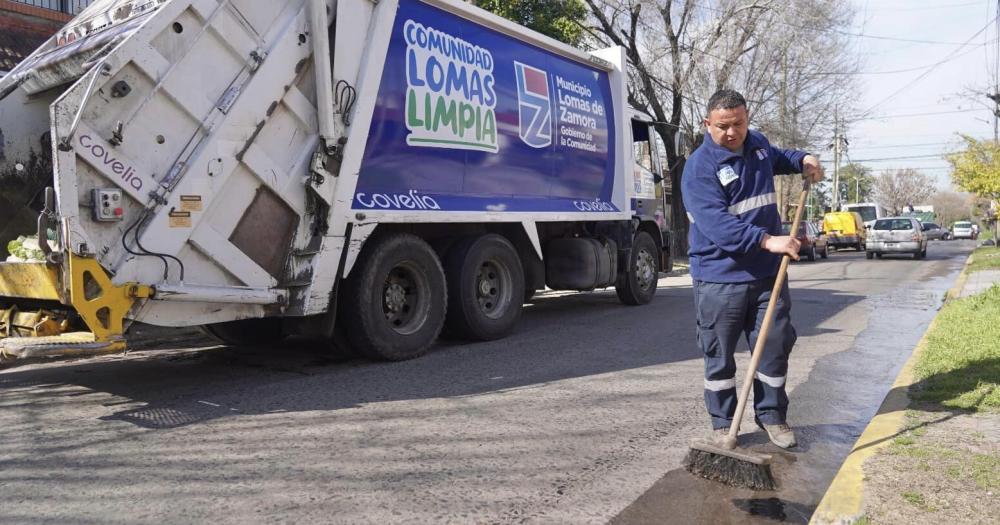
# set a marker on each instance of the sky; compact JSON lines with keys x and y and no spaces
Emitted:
{"x":917,"y":96}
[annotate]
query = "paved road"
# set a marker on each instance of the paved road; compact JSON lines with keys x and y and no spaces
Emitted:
{"x":582,"y":416}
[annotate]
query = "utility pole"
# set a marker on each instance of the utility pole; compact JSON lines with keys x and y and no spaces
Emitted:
{"x":836,"y":161}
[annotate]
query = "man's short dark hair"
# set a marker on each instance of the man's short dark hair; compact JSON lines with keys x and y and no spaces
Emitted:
{"x":726,"y":99}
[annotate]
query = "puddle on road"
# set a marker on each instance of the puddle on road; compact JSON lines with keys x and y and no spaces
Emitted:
{"x":685,"y":498}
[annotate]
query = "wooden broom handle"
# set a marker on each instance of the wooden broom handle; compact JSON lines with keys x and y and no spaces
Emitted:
{"x":758,"y":347}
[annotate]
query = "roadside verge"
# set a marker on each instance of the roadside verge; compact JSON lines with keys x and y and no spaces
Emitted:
{"x":929,"y":452}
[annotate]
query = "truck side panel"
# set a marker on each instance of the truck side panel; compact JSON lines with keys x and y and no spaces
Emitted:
{"x":470,"y":119}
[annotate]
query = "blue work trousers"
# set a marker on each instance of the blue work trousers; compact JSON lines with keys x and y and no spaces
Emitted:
{"x":727,"y":313}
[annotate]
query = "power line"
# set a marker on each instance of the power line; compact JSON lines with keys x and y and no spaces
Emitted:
{"x":906,"y":9}
{"x":848,"y":33}
{"x":897,"y":71}
{"x":925,"y":73}
{"x":903,"y":115}
{"x":890,"y":146}
{"x":906,"y":157}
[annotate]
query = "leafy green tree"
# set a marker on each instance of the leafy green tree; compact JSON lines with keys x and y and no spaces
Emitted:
{"x":858,"y":183}
{"x":559,"y":19}
{"x":977,"y":169}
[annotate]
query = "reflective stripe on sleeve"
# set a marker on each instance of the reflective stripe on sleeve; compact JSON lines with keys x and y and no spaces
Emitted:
{"x":753,"y":203}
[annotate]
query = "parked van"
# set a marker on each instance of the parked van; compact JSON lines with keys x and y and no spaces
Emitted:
{"x":845,"y":229}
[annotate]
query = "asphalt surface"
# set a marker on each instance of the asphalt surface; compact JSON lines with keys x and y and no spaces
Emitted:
{"x":582,"y":416}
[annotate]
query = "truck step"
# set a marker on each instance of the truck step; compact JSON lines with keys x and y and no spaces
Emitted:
{"x":72,"y":344}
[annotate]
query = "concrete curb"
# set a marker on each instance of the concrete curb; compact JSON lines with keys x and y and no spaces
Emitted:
{"x":844,"y":499}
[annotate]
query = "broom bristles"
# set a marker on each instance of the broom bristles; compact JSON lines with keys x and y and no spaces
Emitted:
{"x":729,"y":470}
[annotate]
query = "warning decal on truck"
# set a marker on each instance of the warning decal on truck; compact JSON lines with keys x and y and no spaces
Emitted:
{"x":468,"y":118}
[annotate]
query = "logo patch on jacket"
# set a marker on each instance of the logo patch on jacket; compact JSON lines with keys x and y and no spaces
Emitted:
{"x":726,"y":175}
{"x":761,"y":153}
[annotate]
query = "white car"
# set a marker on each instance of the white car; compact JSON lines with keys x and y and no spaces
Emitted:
{"x":962,"y":230}
{"x":896,"y":235}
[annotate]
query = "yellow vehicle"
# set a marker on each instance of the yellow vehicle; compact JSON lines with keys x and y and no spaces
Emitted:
{"x":845,"y":229}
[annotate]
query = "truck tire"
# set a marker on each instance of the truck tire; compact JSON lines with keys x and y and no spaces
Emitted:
{"x":486,"y":288}
{"x":395,"y":299}
{"x":812,"y":253}
{"x":246,"y":332}
{"x":637,"y":284}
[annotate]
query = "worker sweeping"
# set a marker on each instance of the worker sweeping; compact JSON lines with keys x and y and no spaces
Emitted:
{"x":736,"y":250}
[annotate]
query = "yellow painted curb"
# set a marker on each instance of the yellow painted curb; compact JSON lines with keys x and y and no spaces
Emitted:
{"x":843,"y":501}
{"x":956,"y":291}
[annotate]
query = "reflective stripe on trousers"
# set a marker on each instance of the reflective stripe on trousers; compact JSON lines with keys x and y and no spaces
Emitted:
{"x":726,"y":314}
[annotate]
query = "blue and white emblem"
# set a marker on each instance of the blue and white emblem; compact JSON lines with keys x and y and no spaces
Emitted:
{"x":726,"y":175}
{"x":534,"y":109}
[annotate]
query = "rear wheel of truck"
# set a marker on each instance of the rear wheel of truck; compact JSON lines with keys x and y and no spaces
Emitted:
{"x":812,"y":253}
{"x":869,"y":255}
{"x":394,"y":300}
{"x":246,"y":332}
{"x":637,"y":284}
{"x":486,"y":287}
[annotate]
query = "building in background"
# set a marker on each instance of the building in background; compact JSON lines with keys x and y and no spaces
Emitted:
{"x":26,"y":24}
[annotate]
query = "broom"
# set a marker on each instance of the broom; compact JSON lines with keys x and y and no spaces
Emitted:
{"x":720,"y":461}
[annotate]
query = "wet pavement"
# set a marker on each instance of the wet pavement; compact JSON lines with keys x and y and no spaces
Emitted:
{"x":581,"y":416}
{"x":831,"y":408}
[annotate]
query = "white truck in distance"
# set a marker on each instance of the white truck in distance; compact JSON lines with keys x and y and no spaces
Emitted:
{"x":365,"y":172}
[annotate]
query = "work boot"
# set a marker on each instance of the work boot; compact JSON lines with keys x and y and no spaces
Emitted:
{"x":780,"y":434}
{"x":719,"y":434}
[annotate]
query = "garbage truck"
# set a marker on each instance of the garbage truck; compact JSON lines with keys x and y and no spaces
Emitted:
{"x":364,"y":173}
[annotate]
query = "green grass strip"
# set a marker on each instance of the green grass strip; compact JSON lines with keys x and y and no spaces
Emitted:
{"x":960,"y":366}
{"x":986,"y":258}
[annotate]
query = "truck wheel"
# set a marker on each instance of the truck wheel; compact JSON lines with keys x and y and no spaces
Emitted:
{"x":869,"y":255}
{"x":812,"y":253}
{"x":394,"y":301}
{"x":246,"y":332}
{"x":637,"y":284}
{"x":485,"y":287}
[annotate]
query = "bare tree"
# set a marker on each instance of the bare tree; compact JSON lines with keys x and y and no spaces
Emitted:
{"x":950,"y":207}
{"x":665,"y":42}
{"x":899,"y":189}
{"x":783,"y":57}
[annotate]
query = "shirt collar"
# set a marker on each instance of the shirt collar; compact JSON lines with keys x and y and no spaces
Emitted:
{"x":721,"y":154}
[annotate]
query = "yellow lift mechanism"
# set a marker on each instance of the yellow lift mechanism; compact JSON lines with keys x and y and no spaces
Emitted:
{"x":102,"y":306}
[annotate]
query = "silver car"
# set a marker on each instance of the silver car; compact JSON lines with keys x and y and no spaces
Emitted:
{"x":933,"y":232}
{"x":962,"y":230}
{"x":896,"y":235}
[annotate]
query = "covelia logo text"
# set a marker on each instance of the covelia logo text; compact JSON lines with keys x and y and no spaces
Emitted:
{"x":412,"y":200}
{"x":594,"y":205}
{"x":451,"y":98}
